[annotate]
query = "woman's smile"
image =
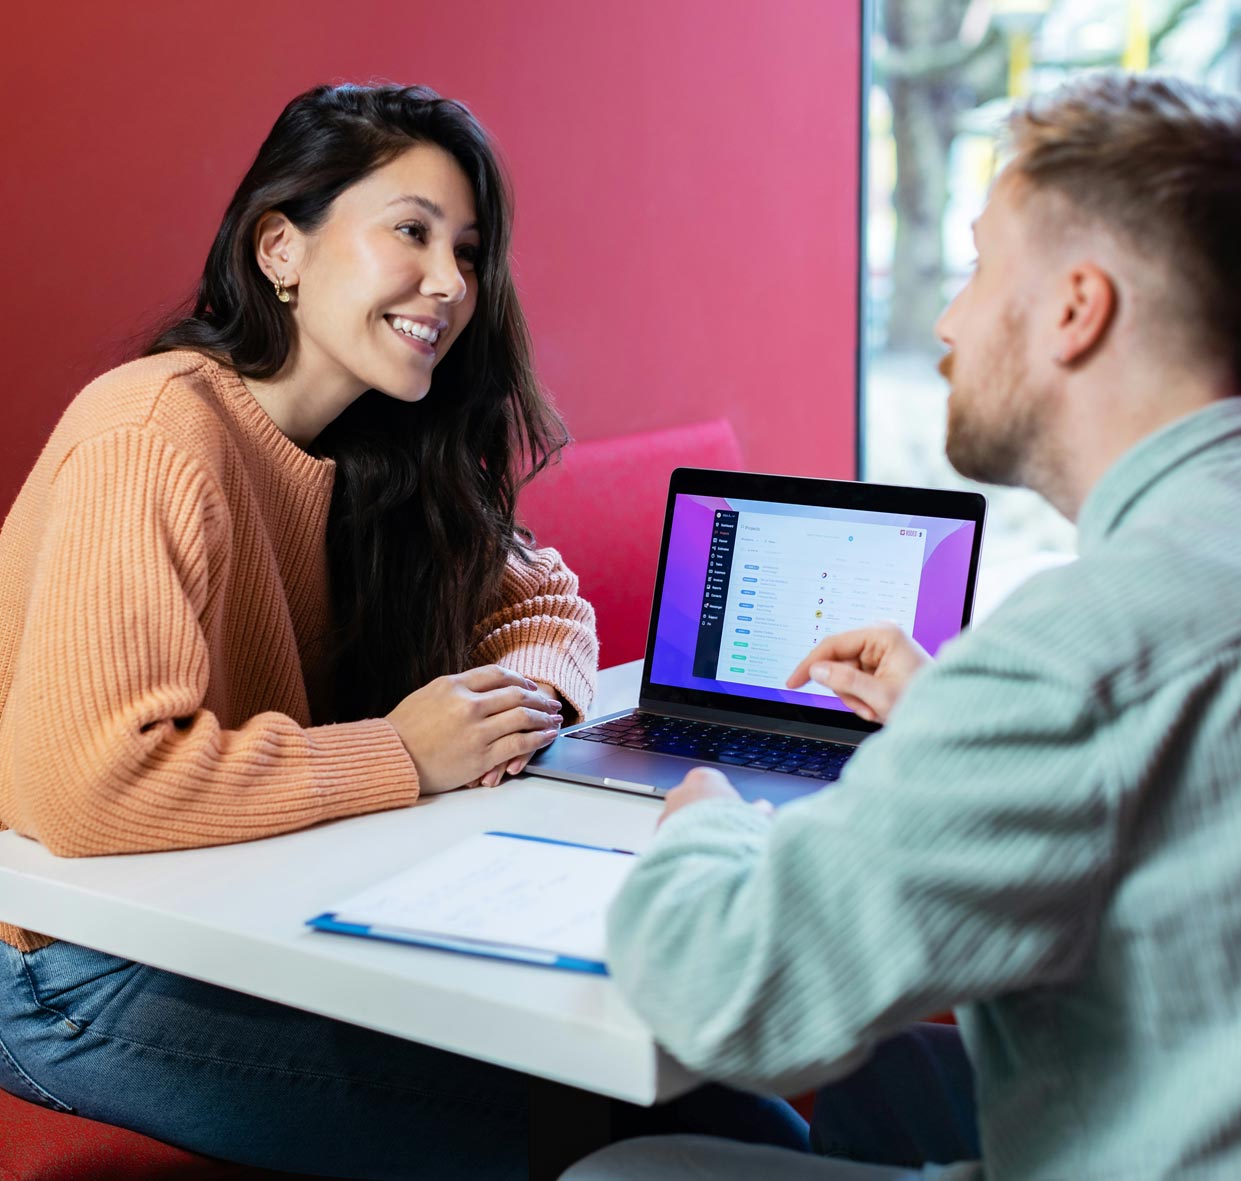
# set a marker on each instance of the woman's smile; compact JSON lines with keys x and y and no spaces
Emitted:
{"x":419,"y":333}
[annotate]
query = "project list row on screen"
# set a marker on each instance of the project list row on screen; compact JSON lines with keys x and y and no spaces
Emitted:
{"x":790,"y":585}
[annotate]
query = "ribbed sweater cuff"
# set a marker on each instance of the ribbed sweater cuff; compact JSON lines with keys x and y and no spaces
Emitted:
{"x":555,"y":667}
{"x":23,"y":940}
{"x":371,"y":769}
{"x":732,"y":819}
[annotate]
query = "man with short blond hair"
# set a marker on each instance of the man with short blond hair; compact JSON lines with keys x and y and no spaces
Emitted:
{"x":1047,"y":833}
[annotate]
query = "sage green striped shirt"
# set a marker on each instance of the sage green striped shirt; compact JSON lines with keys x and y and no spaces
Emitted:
{"x":1046,"y":836}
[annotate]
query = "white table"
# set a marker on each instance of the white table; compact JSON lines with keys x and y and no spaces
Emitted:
{"x":234,"y":916}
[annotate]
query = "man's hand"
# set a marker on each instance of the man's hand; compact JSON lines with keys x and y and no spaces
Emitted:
{"x":703,"y":783}
{"x":867,"y":669}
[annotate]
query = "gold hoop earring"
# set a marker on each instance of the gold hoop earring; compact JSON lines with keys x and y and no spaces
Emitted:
{"x":282,"y":292}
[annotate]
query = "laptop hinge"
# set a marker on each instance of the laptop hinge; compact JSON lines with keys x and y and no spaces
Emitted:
{"x":699,"y":713}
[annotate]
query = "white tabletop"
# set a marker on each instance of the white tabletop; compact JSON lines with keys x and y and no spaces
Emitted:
{"x":235,"y":916}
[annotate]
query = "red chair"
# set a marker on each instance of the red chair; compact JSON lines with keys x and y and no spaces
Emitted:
{"x":41,"y":1145}
{"x":602,"y":507}
{"x":37,"y":1144}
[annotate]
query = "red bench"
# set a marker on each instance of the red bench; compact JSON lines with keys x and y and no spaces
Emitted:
{"x":37,"y":1144}
{"x":602,"y":507}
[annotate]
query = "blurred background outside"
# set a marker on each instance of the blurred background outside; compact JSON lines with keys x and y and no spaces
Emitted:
{"x":944,"y":73}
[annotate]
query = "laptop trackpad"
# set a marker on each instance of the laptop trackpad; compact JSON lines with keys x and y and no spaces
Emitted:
{"x":632,"y":766}
{"x":664,"y":773}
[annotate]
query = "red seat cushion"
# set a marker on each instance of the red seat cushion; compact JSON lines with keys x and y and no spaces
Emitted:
{"x":41,"y":1145}
{"x":602,"y":507}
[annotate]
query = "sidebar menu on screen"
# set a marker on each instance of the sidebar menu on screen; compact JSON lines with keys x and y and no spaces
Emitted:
{"x":715,"y":593}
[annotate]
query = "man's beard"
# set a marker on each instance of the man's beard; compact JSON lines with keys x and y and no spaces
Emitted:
{"x":993,"y":431}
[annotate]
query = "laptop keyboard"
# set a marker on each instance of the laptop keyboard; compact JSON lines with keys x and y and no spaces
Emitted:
{"x":731,"y":745}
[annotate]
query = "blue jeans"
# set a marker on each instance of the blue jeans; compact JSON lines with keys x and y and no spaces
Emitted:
{"x":247,"y":1080}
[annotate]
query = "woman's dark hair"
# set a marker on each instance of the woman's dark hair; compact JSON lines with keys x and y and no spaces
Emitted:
{"x":422,"y":516}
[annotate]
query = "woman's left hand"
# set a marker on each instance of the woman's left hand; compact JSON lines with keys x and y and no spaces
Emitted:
{"x":513,"y":766}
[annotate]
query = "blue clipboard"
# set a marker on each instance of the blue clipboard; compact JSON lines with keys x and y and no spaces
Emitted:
{"x":487,"y":949}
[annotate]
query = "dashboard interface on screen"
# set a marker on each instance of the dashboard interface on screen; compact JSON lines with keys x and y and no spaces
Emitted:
{"x":751,"y":586}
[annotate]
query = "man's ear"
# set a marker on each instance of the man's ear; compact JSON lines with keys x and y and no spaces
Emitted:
{"x":278,"y":248}
{"x":1087,"y":309}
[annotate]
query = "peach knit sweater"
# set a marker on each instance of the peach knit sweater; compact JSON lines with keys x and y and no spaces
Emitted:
{"x":163,"y":584}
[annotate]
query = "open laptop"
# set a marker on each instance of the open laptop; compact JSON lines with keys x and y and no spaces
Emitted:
{"x":753,"y":571}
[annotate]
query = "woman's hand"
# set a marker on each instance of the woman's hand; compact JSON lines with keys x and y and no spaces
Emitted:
{"x":513,"y":766}
{"x":867,"y":669}
{"x":461,"y":728}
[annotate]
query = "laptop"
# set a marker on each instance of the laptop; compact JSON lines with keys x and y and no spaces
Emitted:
{"x":753,"y":571}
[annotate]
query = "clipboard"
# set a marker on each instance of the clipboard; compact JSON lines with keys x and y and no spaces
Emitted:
{"x":499,"y":895}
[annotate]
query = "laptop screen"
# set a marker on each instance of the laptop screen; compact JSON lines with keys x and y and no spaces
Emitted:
{"x":749,"y":585}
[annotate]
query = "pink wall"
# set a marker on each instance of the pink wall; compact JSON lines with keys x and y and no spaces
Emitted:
{"x":685,"y":173}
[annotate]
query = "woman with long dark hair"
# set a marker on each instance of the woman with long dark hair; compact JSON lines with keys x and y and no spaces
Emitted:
{"x":267,"y":575}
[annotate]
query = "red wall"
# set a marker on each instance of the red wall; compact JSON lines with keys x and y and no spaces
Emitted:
{"x":685,"y":171}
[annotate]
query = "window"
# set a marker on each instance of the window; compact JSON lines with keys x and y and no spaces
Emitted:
{"x":943,"y":73}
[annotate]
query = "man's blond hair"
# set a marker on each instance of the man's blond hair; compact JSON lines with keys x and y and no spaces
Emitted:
{"x":1158,"y":162}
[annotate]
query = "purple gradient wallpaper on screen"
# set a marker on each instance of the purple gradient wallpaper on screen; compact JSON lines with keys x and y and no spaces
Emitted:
{"x":941,"y":595}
